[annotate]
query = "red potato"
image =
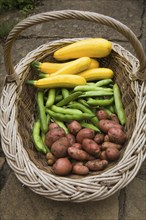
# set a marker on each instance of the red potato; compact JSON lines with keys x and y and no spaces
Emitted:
{"x":80,"y":169}
{"x":97,"y":165}
{"x":50,"y":162}
{"x":105,"y":125}
{"x":53,"y":125}
{"x":53,"y":135}
{"x":50,"y":158}
{"x":91,"y":147}
{"x":79,"y":155}
{"x":71,"y":138}
{"x":74,"y":162}
{"x":64,"y":141}
{"x":106,"y":138}
{"x":103,"y":155}
{"x":74,"y":127}
{"x":114,"y":118}
{"x":62,"y":167}
{"x":77,"y":146}
{"x":112,"y":153}
{"x":117,"y":135}
{"x":59,"y":147}
{"x":108,"y":144}
{"x":99,"y":138}
{"x":101,"y":114}
{"x":85,"y":133}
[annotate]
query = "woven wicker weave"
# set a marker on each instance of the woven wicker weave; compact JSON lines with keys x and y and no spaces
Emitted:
{"x":18,"y":106}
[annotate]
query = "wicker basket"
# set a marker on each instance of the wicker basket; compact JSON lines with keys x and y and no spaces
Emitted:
{"x":18,"y":106}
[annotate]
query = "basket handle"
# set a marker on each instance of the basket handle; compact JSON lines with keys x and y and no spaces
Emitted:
{"x":74,"y":14}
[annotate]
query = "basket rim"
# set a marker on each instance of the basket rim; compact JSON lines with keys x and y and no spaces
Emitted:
{"x":68,"y":187}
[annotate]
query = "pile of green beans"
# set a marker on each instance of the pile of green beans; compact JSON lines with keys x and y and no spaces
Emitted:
{"x":81,"y":103}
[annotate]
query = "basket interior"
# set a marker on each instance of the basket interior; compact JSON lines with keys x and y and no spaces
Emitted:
{"x":27,"y":103}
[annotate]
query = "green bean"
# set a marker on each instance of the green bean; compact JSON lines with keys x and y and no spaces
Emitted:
{"x":86,"y":88}
{"x":119,"y":105}
{"x":65,"y":92}
{"x":90,"y":83}
{"x":82,"y":101}
{"x":43,"y":139}
{"x":65,"y":110}
{"x":94,"y":120}
{"x":111,"y":108}
{"x":96,"y":93}
{"x":87,"y":125}
{"x":37,"y":138}
{"x":81,"y":107}
{"x":67,"y":117}
{"x":110,"y":85}
{"x":58,"y":98}
{"x":100,"y":102}
{"x":68,"y":99}
{"x":41,"y":109}
{"x":48,"y":119}
{"x":51,"y":97}
{"x":84,"y":109}
{"x":107,"y":110}
{"x":61,"y":125}
{"x":104,"y":82}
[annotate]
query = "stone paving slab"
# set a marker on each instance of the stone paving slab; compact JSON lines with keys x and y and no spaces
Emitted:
{"x":2,"y":161}
{"x":29,"y":205}
{"x":136,"y":200}
{"x":124,"y":11}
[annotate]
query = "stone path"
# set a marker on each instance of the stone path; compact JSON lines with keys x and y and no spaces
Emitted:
{"x":17,"y":202}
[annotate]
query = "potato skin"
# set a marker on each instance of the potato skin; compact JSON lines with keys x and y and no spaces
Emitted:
{"x":108,"y":144}
{"x":53,"y":135}
{"x":101,"y":114}
{"x":50,"y":158}
{"x":103,"y":155}
{"x":112,"y":153}
{"x":74,"y":127}
{"x":85,"y":133}
{"x":59,"y":147}
{"x":77,"y":146}
{"x":99,"y":138}
{"x":49,"y":155}
{"x":62,"y":167}
{"x":53,"y":125}
{"x":91,"y":147}
{"x":71,"y":138}
{"x":114,"y":118}
{"x":106,"y":138}
{"x":80,"y":169}
{"x":105,"y":125}
{"x":79,"y":155}
{"x":117,"y":135}
{"x":97,"y":165}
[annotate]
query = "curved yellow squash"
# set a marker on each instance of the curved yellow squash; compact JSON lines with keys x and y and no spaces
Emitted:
{"x":97,"y":73}
{"x":66,"y":81}
{"x":74,"y":67}
{"x":93,"y":47}
{"x":49,"y":68}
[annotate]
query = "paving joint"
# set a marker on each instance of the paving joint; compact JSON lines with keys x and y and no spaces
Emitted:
{"x":4,"y":174}
{"x":62,"y":37}
{"x":122,"y":204}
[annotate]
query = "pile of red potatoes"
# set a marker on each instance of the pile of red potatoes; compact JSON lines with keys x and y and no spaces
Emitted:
{"x":83,"y":150}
